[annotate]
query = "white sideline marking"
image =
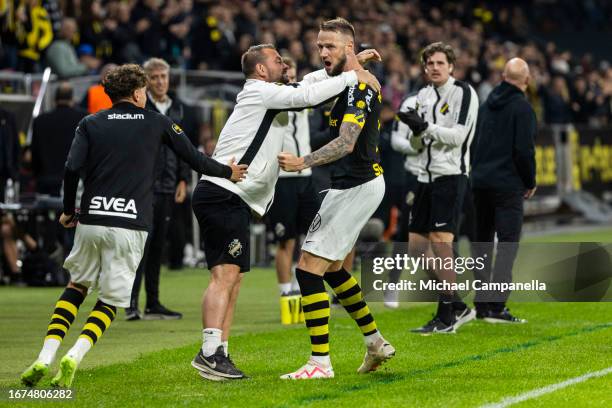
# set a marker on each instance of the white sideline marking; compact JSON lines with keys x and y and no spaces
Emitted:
{"x":538,"y":392}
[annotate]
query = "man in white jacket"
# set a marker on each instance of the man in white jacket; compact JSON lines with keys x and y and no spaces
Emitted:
{"x":224,"y":210}
{"x":443,"y":124}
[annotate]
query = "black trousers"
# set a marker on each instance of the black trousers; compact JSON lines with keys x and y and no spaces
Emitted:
{"x":502,"y":213}
{"x":179,"y":232}
{"x":151,"y":261}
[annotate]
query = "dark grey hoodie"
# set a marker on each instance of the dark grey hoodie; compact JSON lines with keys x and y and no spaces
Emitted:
{"x":503,"y":156}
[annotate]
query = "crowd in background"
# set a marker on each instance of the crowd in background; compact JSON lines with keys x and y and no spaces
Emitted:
{"x":79,"y":37}
{"x":76,"y":37}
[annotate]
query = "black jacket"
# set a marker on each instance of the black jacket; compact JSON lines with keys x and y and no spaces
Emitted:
{"x":115,"y":151}
{"x":9,"y":147}
{"x":52,"y":134}
{"x":169,"y":169}
{"x":503,"y":158}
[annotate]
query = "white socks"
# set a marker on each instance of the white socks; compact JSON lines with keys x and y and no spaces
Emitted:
{"x":47,"y":354}
{"x":226,"y":347}
{"x":372,"y":339}
{"x":322,"y":360}
{"x":212,"y":341}
{"x":284,"y":288}
{"x":80,"y":348}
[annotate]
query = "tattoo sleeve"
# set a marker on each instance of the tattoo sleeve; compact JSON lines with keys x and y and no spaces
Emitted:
{"x":337,"y":148}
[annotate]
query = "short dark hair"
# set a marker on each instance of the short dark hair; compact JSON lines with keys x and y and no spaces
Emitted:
{"x":121,"y":82}
{"x":253,"y":56}
{"x":339,"y":25}
{"x":432,"y":48}
{"x":63,"y":93}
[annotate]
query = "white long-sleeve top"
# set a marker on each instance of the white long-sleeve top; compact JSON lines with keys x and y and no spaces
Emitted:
{"x":254,"y":132}
{"x":451,"y":111}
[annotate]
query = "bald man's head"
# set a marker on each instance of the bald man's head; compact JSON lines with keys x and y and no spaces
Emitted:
{"x":516,"y":72}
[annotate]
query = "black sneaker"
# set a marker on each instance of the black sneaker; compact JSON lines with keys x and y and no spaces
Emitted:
{"x":159,"y":312}
{"x":503,"y":317}
{"x":464,"y":316}
{"x":132,"y":314}
{"x":435,"y":325}
{"x":217,"y":364}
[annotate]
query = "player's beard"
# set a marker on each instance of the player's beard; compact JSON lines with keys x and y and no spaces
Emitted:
{"x":339,"y":67}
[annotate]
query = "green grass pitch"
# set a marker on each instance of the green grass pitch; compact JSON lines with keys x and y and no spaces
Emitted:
{"x":147,"y":363}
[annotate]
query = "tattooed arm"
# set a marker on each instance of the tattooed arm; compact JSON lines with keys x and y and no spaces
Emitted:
{"x":334,"y":150}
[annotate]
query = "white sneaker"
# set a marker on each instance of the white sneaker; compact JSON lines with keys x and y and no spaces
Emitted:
{"x":463,"y":317}
{"x":376,"y":355}
{"x":391,"y":299}
{"x":309,"y":371}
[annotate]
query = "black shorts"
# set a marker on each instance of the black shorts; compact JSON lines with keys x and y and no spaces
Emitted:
{"x":225,"y":222}
{"x":403,"y":226}
{"x":438,"y":205}
{"x":296,"y":202}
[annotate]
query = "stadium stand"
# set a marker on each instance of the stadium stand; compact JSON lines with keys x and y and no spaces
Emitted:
{"x":571,"y":88}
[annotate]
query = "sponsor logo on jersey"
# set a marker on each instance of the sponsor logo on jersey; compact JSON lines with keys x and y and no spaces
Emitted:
{"x":113,"y":206}
{"x":128,"y":116}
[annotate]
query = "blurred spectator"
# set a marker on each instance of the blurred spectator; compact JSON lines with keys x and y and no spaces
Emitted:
{"x":9,"y":150}
{"x":52,"y":134}
{"x":557,"y":102}
{"x":92,"y":31}
{"x":205,"y":34}
{"x":146,"y":19}
{"x":34,"y":34}
{"x":95,"y":98}
{"x":62,"y":57}
{"x":583,"y":101}
{"x":122,"y":34}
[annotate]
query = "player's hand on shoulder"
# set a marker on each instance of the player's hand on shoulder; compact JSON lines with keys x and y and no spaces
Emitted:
{"x":368,"y":55}
{"x":367,"y":78}
{"x":239,"y":171}
{"x":290,"y":162}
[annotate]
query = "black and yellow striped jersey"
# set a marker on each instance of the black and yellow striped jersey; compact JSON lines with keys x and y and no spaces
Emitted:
{"x":358,"y":104}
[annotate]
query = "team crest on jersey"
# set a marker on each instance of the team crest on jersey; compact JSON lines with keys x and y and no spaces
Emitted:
{"x":316,"y":223}
{"x":177,"y":129}
{"x":444,"y":109}
{"x":360,"y":104}
{"x":279,"y":230}
{"x":235,"y":248}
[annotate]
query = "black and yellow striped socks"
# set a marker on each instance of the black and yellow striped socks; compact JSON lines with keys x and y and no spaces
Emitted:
{"x":315,"y":303}
{"x":98,"y":321}
{"x":63,"y":316}
{"x":349,"y":294}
